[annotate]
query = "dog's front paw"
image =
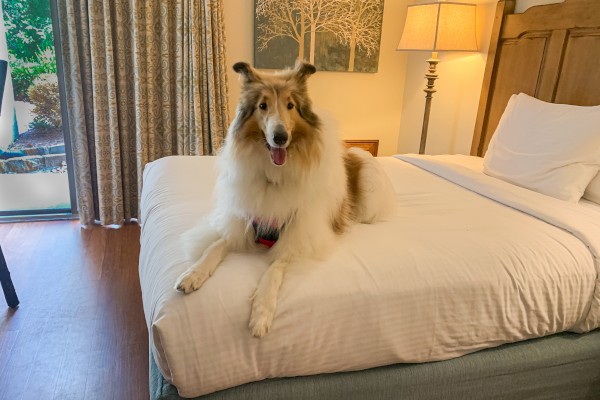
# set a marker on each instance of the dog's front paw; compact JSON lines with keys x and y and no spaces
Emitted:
{"x":260,"y":324}
{"x":261,"y":318}
{"x":189,"y":281}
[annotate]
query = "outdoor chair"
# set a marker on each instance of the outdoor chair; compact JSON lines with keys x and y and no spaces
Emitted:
{"x":7,"y":286}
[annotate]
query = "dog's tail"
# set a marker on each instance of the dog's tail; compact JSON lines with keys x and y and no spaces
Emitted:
{"x":373,"y":191}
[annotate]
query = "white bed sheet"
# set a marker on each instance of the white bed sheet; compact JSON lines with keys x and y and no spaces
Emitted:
{"x":450,"y":273}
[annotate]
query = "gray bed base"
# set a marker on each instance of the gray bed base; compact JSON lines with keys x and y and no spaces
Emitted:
{"x":562,"y":366}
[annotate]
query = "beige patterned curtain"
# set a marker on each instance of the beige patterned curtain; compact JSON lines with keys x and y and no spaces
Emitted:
{"x":144,"y":79}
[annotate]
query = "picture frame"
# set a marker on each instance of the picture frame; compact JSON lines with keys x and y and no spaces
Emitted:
{"x":333,"y":35}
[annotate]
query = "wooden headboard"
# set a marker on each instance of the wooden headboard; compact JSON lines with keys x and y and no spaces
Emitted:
{"x":551,"y":52}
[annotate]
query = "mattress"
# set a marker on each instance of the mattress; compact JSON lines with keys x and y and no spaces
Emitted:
{"x":466,"y":262}
{"x":557,"y":367}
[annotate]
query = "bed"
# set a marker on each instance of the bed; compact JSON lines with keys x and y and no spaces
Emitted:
{"x":473,"y":289}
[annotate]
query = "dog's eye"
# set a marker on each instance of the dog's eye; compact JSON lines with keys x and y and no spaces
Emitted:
{"x":262,"y":106}
{"x":290,"y":106}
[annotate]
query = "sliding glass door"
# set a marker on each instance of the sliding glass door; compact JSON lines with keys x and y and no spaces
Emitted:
{"x":35,"y":157}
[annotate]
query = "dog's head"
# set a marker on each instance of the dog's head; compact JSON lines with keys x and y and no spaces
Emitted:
{"x":275,"y":109}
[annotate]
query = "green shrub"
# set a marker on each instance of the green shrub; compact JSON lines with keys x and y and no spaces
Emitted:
{"x":46,"y":61}
{"x":29,"y":38}
{"x":45,"y":98}
{"x":24,"y":73}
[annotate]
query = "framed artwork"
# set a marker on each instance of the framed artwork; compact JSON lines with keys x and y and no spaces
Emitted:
{"x":333,"y":35}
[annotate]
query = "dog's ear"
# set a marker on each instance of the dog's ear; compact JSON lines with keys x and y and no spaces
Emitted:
{"x":246,"y":71}
{"x":303,"y":70}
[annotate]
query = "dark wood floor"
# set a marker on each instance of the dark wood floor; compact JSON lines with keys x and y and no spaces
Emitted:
{"x":79,"y":332}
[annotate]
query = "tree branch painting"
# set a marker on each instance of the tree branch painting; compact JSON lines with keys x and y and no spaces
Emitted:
{"x":335,"y":35}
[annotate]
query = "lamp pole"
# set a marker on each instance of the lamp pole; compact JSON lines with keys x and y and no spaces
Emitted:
{"x":431,"y":76}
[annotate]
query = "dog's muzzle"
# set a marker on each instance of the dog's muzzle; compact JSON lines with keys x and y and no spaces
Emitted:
{"x":279,"y":151}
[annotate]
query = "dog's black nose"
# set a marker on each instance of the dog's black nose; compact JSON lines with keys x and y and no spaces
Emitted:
{"x":280,"y":138}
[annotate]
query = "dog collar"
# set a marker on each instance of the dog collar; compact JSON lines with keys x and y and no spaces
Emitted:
{"x":265,"y":233}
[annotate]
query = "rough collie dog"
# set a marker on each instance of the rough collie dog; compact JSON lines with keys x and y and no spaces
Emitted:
{"x":286,"y":184}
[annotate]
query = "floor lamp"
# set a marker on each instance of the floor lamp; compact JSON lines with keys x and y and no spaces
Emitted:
{"x":434,"y":27}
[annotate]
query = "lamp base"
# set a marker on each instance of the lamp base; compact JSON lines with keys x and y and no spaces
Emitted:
{"x":431,"y":76}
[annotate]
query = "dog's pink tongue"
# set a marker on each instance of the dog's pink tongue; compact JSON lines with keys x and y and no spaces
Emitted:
{"x":278,"y":155}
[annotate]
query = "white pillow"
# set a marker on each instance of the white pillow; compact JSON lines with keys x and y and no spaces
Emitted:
{"x":592,"y":193}
{"x":551,"y":148}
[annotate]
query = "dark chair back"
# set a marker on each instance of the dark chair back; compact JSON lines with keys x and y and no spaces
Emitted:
{"x":6,"y":282}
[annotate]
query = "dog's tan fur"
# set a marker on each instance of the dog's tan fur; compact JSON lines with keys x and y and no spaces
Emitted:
{"x":352,"y":202}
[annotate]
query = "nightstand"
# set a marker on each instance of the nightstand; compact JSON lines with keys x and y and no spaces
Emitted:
{"x":369,"y":145}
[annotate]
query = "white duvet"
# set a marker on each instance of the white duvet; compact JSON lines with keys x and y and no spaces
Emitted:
{"x":460,"y":267}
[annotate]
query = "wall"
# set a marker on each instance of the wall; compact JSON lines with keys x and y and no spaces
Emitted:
{"x":454,"y":106}
{"x":366,"y":106}
{"x":523,"y":5}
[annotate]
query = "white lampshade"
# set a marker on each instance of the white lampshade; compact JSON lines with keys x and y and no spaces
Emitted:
{"x":444,"y":26}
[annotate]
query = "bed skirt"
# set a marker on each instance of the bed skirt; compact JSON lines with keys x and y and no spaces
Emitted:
{"x":561,"y":366}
